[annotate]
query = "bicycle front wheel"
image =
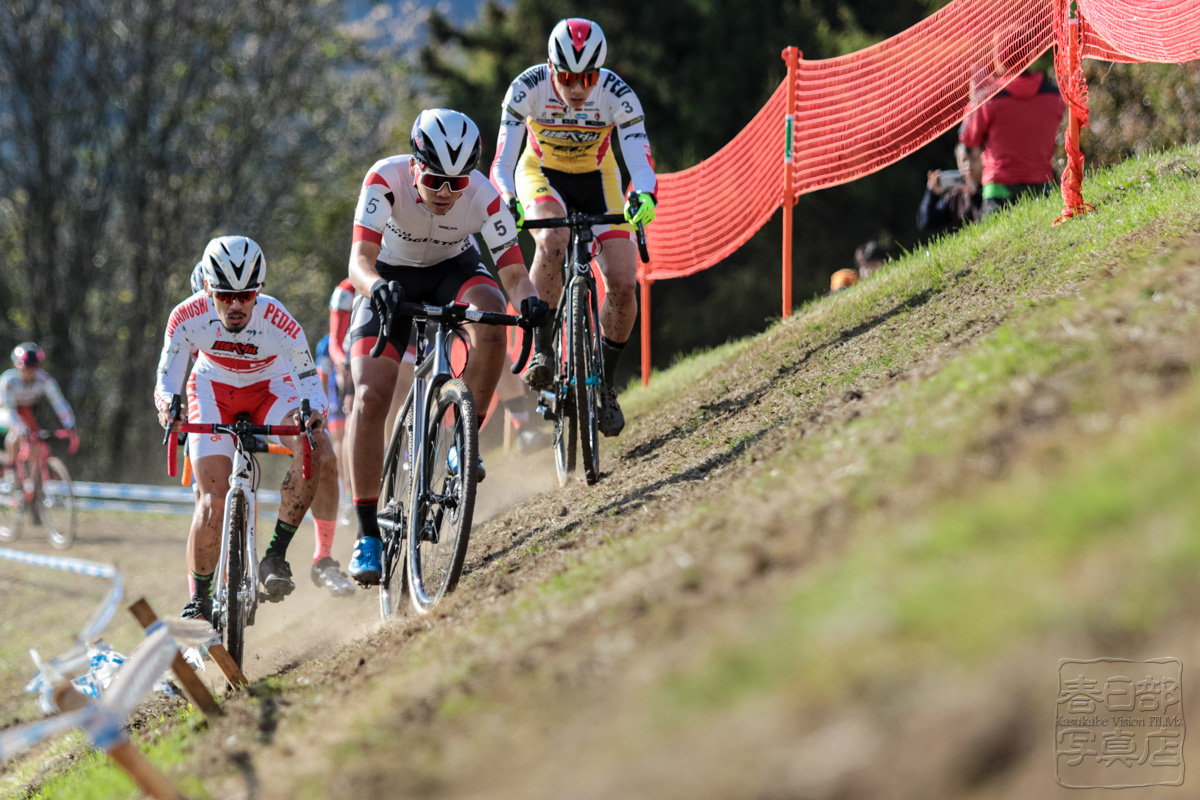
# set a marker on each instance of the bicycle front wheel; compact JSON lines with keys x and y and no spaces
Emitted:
{"x":585,"y":359}
{"x":58,"y":505}
{"x":234,"y":623}
{"x":394,"y":491}
{"x":443,"y":498}
{"x":565,"y":426}
{"x":12,"y":506}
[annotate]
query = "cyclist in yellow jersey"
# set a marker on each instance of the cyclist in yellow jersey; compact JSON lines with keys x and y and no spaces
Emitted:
{"x":571,"y":108}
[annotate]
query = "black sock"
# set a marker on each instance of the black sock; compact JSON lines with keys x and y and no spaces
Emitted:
{"x":367,"y":509}
{"x":281,"y":539}
{"x":543,"y":337}
{"x":203,"y":584}
{"x":612,"y":354}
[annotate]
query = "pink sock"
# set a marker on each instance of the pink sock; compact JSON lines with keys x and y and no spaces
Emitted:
{"x":325,"y":530}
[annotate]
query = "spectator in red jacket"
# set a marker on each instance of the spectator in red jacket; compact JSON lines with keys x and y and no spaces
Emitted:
{"x":1011,"y":137}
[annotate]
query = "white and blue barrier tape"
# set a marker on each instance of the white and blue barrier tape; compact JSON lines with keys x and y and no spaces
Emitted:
{"x":79,"y":566}
{"x":90,"y":496}
{"x":102,"y":720}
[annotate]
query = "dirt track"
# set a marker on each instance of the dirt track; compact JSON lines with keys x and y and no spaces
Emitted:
{"x":45,"y":608}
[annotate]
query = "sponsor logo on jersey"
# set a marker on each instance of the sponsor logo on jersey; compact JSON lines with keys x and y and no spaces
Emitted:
{"x":532,"y":77}
{"x":186,"y":311}
{"x":571,"y":135}
{"x":615,"y":85}
{"x":237,"y":348}
{"x":282,"y":320}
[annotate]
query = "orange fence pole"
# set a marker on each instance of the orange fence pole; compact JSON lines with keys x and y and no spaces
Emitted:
{"x":792,"y":56}
{"x":646,"y":331}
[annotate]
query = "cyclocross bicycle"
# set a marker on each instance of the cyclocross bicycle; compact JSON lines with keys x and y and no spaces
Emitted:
{"x":42,"y":496}
{"x":235,"y":582}
{"x":427,"y":494}
{"x":573,"y":402}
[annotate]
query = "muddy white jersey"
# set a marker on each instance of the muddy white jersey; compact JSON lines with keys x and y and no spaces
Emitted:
{"x":271,"y":345}
{"x":16,"y":393}
{"x":572,"y":141}
{"x":391,"y":214}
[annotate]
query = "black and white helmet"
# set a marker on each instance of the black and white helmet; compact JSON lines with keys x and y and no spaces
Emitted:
{"x":234,"y":264}
{"x":198,"y":277}
{"x":446,"y":142}
{"x":577,"y":45}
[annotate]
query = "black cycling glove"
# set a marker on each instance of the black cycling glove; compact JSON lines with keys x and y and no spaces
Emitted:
{"x":535,"y":311}
{"x":385,"y":296}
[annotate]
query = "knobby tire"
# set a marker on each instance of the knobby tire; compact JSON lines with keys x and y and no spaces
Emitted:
{"x":235,"y":576}
{"x":58,"y":505}
{"x":586,"y":390}
{"x":439,"y":530}
{"x":565,"y":426}
{"x":12,"y":505}
{"x":394,"y":494}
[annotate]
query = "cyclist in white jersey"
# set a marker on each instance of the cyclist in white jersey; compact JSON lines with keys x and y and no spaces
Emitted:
{"x":20,"y":390}
{"x":571,"y":108}
{"x":413,"y":231}
{"x":251,"y":357}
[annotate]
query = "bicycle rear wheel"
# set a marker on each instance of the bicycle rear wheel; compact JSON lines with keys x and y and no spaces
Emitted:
{"x":565,"y":426}
{"x":443,"y":498}
{"x":12,"y":505}
{"x":58,"y":505}
{"x":394,"y":491}
{"x":234,"y":623}
{"x":585,"y":356}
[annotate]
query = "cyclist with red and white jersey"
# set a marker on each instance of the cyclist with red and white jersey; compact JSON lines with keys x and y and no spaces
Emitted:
{"x":413,"y":230}
{"x":251,"y":357}
{"x":20,"y":390}
{"x":571,"y":108}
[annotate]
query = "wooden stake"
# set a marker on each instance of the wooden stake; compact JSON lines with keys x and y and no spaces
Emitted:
{"x":184,"y":673}
{"x":152,"y":782}
{"x":233,"y":673}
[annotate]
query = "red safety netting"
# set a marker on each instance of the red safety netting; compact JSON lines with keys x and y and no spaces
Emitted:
{"x":1166,"y":31}
{"x":858,"y":113}
{"x":749,"y":167}
{"x":854,"y":115}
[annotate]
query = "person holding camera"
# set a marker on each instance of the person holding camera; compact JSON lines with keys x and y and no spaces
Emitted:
{"x":953,"y":197}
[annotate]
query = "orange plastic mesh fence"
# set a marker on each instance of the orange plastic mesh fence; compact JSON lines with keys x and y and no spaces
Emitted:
{"x":861,"y":112}
{"x":854,"y":115}
{"x":1166,"y":31}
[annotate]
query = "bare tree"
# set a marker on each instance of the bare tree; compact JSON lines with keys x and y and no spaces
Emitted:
{"x":131,"y":131}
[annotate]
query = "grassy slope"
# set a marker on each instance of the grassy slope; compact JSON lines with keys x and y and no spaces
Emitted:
{"x":893,"y":512}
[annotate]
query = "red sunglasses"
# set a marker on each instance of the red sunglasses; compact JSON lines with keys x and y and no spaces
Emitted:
{"x":588,"y":79}
{"x":236,"y":297}
{"x":434,"y":183}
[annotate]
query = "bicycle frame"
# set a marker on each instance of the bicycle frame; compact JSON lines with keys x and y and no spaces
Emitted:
{"x":402,"y":517}
{"x":243,"y":478}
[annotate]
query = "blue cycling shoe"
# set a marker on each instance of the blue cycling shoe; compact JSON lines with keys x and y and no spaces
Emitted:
{"x":366,"y":565}
{"x":452,"y":464}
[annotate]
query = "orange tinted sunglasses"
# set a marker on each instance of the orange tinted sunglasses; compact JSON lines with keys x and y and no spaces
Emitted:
{"x":588,"y":79}
{"x":236,"y":297}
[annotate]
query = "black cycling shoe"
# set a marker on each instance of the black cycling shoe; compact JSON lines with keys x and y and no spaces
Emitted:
{"x":198,"y":608}
{"x":539,"y":374}
{"x":275,"y":574}
{"x":610,"y":421}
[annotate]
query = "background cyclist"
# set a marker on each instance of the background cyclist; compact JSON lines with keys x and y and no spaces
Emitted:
{"x":413,"y":227}
{"x":252,"y":357}
{"x":20,"y":389}
{"x":571,"y":108}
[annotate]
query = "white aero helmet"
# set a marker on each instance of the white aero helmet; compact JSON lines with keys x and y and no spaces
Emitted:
{"x":198,"y":277}
{"x":446,"y":142}
{"x":234,"y":264}
{"x":577,"y":45}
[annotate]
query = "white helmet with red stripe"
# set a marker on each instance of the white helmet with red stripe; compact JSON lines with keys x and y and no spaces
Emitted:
{"x":577,"y":45}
